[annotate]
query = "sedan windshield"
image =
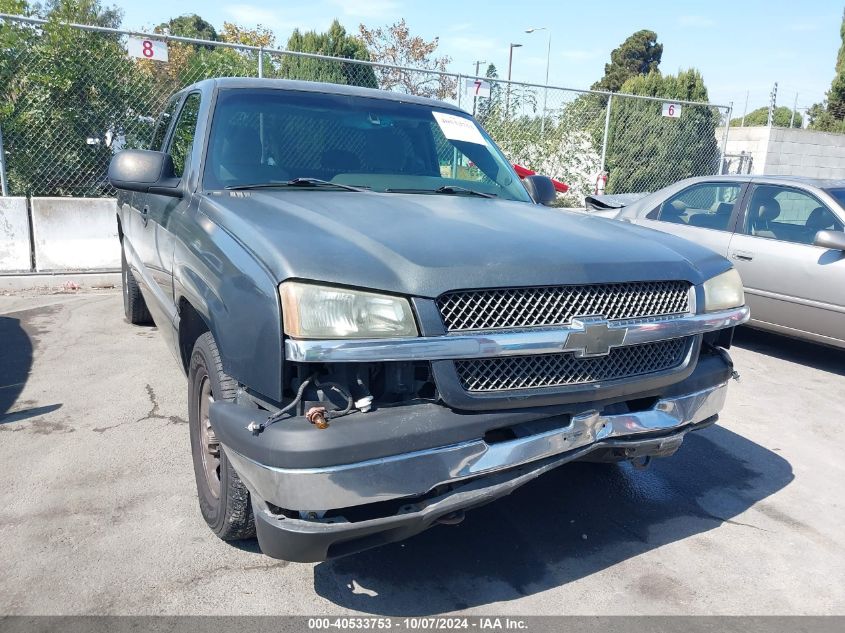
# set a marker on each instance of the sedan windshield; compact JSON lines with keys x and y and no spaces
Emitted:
{"x":267,"y":138}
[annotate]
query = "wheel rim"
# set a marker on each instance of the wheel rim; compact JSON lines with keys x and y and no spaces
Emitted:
{"x":210,"y":446}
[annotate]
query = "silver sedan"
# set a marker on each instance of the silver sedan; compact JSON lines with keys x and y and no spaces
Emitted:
{"x":784,"y":235}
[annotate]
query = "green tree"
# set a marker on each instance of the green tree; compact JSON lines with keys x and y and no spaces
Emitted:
{"x":829,"y":116}
{"x":760,"y":116}
{"x":647,"y":151}
{"x":639,"y":54}
{"x":336,"y":42}
{"x":820,"y":118}
{"x":188,"y":25}
{"x":486,"y":109}
{"x":67,"y":94}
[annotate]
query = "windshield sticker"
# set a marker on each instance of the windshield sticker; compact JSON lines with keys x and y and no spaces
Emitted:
{"x":456,"y":128}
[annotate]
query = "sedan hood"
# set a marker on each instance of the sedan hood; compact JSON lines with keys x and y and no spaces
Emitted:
{"x":423,"y":245}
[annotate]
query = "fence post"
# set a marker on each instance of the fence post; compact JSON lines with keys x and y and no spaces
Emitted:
{"x":260,"y":62}
{"x":724,"y":147}
{"x":4,"y":187}
{"x":606,"y":133}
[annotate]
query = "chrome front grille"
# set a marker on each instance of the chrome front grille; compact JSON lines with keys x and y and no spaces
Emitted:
{"x":504,"y":308}
{"x":557,"y":370}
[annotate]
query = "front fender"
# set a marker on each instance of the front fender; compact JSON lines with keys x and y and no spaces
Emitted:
{"x":235,"y":295}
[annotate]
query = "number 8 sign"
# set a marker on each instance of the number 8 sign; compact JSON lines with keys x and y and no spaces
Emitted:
{"x":143,"y":48}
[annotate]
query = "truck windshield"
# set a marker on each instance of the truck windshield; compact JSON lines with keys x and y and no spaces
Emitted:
{"x":267,"y":136}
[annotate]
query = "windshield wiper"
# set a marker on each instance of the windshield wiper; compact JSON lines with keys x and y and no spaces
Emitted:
{"x":447,"y":189}
{"x":305,"y":183}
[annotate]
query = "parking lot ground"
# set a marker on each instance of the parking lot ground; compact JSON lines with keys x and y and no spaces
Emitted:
{"x":98,"y":512}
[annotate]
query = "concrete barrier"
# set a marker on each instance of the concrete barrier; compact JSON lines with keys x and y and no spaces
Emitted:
{"x":75,"y":234}
{"x":14,"y":236}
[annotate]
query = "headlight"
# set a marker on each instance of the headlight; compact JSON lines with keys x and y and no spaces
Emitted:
{"x":723,"y":292}
{"x":314,"y":311}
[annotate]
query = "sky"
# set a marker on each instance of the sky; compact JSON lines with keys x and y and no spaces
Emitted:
{"x":741,"y":47}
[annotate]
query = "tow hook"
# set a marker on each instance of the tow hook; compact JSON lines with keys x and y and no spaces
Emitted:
{"x":317,"y":417}
{"x":453,"y":518}
{"x":641,"y":463}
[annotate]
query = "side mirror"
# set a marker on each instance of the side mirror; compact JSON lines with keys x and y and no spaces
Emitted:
{"x":830,"y":239}
{"x":145,"y":171}
{"x":541,"y":189}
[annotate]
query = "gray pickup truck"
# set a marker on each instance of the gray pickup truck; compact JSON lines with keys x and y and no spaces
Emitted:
{"x":382,"y":326}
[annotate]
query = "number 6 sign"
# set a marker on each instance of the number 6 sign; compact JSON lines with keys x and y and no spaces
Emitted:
{"x":672,"y":110}
{"x":143,"y":48}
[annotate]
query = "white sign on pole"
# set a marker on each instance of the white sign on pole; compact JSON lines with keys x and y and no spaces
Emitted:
{"x":143,"y":48}
{"x":672,"y":110}
{"x":476,"y":88}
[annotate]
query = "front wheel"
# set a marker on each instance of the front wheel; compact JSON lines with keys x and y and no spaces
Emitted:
{"x":134,"y":306}
{"x":223,"y":498}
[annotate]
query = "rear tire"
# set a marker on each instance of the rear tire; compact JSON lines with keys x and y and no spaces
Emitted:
{"x":134,"y":306}
{"x":224,"y":500}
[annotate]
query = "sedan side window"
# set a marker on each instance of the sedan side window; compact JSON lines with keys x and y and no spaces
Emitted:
{"x":183,"y":133}
{"x":707,"y":205}
{"x":787,"y":215}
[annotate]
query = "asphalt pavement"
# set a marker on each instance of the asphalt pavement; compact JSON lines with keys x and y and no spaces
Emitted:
{"x":98,"y":511}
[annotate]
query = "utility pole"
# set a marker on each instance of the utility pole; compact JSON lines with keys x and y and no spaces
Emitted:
{"x":794,"y":108}
{"x":548,"y":61}
{"x":510,"y":67}
{"x":745,"y":111}
{"x":773,"y":97}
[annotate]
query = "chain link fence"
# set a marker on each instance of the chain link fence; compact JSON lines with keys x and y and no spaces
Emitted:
{"x":71,"y":96}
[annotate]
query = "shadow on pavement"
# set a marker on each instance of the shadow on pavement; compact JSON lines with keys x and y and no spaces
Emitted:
{"x":15,"y":362}
{"x":534,"y":540}
{"x":820,"y":357}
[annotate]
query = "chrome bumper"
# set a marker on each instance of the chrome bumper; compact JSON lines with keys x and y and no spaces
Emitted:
{"x":512,"y":343}
{"x":412,"y":474}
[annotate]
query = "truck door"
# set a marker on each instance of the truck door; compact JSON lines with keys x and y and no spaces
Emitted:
{"x":140,"y":234}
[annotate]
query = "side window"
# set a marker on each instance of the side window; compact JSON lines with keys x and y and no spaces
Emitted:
{"x":708,"y":205}
{"x":163,"y":123}
{"x":788,"y":215}
{"x":182,"y":139}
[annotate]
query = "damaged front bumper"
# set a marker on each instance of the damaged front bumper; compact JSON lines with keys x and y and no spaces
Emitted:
{"x":303,"y":512}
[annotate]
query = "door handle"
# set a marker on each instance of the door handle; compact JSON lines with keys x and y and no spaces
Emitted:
{"x":743,"y":255}
{"x":145,"y":214}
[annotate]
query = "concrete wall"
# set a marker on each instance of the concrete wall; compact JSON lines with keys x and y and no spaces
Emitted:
{"x":805,"y":153}
{"x":75,"y":234}
{"x":789,"y":152}
{"x":14,"y":235}
{"x":751,"y":140}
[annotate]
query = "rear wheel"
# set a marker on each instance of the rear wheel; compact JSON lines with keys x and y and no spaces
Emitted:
{"x":223,"y":498}
{"x":134,"y":306}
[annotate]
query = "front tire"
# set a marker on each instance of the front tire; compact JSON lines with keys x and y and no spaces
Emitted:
{"x":223,"y":498}
{"x":134,"y":306}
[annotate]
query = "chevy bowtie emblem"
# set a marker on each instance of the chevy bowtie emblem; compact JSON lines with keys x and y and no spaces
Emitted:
{"x":594,"y":337}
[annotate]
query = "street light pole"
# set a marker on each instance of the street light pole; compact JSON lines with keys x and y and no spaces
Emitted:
{"x":548,"y":61}
{"x":510,"y":67}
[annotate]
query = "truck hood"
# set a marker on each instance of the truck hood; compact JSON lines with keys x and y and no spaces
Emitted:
{"x":423,"y":245}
